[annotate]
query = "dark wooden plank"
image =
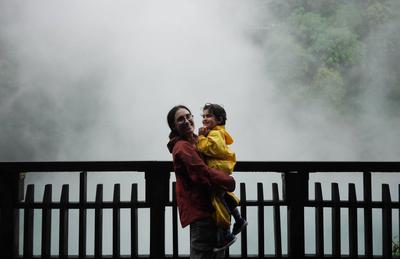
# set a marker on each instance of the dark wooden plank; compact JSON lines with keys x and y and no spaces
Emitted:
{"x":367,"y":193}
{"x":342,"y":204}
{"x":46,"y":222}
{"x":64,"y":222}
{"x":92,"y":166}
{"x":98,"y":222}
{"x":319,"y":222}
{"x":9,"y":214}
{"x":105,"y":205}
{"x":243,"y":212}
{"x":336,"y":246}
{"x":260,"y":213}
{"x":386,"y":222}
{"x":174,"y":223}
{"x":134,"y":221}
{"x":116,"y":222}
{"x":82,"y":214}
{"x":157,"y":193}
{"x":277,"y":221}
{"x":28,"y":222}
{"x":353,"y":222}
{"x":316,"y":166}
{"x":295,"y":194}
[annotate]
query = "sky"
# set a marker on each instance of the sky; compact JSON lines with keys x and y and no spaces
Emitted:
{"x":94,"y":81}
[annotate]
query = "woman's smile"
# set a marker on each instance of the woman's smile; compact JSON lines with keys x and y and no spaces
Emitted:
{"x":184,"y":122}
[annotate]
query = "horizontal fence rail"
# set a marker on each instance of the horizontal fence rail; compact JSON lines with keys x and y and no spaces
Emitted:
{"x":295,"y":199}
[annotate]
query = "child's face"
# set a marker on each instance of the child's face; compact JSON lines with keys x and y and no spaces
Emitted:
{"x":209,"y":120}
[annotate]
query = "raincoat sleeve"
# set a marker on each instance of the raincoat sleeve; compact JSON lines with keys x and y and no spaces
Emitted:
{"x":213,"y":145}
{"x":198,"y":171}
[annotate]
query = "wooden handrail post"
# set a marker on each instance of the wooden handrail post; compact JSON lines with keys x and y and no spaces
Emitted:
{"x":9,"y":226}
{"x":295,"y":194}
{"x":157,"y":194}
{"x":82,"y":214}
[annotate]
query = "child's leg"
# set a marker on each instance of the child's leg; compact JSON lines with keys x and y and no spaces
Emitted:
{"x":240,"y":223}
{"x":228,"y":207}
{"x":231,"y":205}
{"x":225,"y":202}
{"x":227,"y":237}
{"x":236,"y":214}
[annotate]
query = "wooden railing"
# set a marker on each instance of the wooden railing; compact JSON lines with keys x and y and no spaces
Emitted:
{"x":295,"y":183}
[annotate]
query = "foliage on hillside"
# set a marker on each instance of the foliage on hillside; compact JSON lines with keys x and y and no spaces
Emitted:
{"x":335,"y":50}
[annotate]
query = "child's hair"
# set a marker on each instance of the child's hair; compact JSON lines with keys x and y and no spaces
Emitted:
{"x":217,"y":110}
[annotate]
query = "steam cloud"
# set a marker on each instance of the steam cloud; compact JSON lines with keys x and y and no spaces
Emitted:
{"x":94,"y":80}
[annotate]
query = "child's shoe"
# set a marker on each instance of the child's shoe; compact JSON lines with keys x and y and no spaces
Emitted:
{"x":229,"y":239}
{"x":239,"y":226}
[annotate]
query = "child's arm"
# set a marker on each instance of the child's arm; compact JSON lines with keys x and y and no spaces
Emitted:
{"x":213,"y":144}
{"x":203,"y":131}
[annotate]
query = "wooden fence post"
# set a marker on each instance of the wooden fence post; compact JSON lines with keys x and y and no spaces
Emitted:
{"x":295,"y":193}
{"x":386,"y":222}
{"x":368,"y":233}
{"x":157,"y":194}
{"x":9,"y":226}
{"x":82,"y":214}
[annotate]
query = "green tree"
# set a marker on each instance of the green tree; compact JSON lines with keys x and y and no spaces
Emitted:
{"x":377,"y":13}
{"x":352,"y":16}
{"x":329,"y":84}
{"x":337,"y":47}
{"x":306,"y":26}
{"x":288,"y":61}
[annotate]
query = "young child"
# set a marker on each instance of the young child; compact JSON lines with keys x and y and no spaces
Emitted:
{"x":213,"y":143}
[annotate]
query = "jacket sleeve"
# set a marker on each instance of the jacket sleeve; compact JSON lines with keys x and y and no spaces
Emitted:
{"x":213,"y":145}
{"x":198,"y":171}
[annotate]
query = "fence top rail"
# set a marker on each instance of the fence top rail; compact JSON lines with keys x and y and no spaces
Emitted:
{"x":241,"y":166}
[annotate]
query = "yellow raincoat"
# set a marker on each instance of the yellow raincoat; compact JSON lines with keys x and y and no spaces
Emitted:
{"x":218,"y":155}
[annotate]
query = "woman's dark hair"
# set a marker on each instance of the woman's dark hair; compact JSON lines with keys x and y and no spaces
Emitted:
{"x":171,"y":119}
{"x":217,"y":110}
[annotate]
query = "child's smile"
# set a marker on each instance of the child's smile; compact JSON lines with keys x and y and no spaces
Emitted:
{"x":209,"y":120}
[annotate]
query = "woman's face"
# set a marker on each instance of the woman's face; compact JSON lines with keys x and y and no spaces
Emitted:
{"x":184,"y":122}
{"x":209,"y":120}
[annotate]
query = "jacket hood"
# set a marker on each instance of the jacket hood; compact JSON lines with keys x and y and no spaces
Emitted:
{"x":175,"y":139}
{"x":228,"y":137}
{"x":172,"y":143}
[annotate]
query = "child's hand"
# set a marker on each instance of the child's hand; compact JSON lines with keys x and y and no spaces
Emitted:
{"x":203,"y":131}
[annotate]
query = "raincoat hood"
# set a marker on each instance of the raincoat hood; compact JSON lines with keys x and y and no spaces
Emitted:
{"x":228,"y":137}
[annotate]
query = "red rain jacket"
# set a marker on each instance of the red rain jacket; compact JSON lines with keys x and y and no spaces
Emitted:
{"x":194,"y":181}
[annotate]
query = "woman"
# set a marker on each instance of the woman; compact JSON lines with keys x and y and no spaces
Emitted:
{"x":194,"y":182}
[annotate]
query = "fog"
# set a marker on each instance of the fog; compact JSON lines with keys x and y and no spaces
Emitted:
{"x":94,"y":80}
{"x":104,"y":76}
